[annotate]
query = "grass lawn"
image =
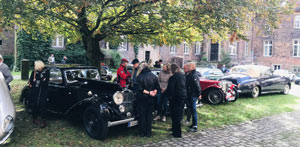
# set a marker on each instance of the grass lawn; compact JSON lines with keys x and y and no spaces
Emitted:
{"x":63,"y":132}
{"x":16,"y":73}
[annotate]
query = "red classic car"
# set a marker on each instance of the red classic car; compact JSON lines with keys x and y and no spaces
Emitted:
{"x":216,"y":92}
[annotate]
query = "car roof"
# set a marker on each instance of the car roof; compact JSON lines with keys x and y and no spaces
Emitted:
{"x":70,"y":66}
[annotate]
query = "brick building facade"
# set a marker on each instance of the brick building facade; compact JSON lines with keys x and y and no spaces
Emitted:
{"x":280,"y":48}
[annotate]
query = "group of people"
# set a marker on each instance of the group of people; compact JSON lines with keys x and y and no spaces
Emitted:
{"x":51,"y":59}
{"x":171,"y":85}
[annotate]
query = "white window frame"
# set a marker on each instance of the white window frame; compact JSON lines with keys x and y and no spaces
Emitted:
{"x":268,"y":48}
{"x":296,"y":69}
{"x":296,"y":48}
{"x":297,"y":22}
{"x":233,"y":48}
{"x":123,"y":46}
{"x":276,"y":65}
{"x":186,"y":48}
{"x":173,"y":49}
{"x":198,"y":48}
{"x":246,"y":48}
{"x":56,"y":41}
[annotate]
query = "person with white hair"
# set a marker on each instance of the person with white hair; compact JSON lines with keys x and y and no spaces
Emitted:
{"x":38,"y":82}
{"x":5,"y":71}
{"x":194,"y":93}
{"x":147,"y":88}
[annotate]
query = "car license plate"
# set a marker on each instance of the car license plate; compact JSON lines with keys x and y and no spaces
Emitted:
{"x":132,"y":123}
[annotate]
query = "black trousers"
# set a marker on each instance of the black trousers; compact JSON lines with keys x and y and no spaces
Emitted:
{"x":176,"y":108}
{"x":145,"y":109}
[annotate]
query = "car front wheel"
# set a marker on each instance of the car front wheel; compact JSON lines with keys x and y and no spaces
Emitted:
{"x":94,"y":124}
{"x":215,"y":97}
{"x":286,"y":89}
{"x":255,"y":92}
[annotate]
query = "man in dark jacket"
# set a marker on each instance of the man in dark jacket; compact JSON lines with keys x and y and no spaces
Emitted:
{"x":147,"y":87}
{"x":194,"y":93}
{"x":6,"y":72}
{"x":176,"y":91}
{"x":135,"y":63}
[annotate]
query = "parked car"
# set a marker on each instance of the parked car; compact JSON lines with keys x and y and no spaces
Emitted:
{"x":215,"y":92}
{"x":256,"y":79}
{"x":106,"y":73}
{"x":297,"y":80}
{"x":285,"y":73}
{"x":7,"y":111}
{"x":77,"y":91}
{"x":210,"y":73}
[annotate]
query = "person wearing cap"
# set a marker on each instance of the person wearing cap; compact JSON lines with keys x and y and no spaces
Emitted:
{"x":122,"y":73}
{"x":135,"y":63}
{"x":6,"y":72}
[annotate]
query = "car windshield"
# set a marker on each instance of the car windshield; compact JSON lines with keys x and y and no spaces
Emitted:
{"x":251,"y":70}
{"x":74,"y":74}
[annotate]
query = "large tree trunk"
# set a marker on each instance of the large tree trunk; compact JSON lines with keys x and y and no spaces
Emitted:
{"x":93,"y":52}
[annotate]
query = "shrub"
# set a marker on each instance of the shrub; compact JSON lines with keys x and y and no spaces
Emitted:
{"x":9,"y":61}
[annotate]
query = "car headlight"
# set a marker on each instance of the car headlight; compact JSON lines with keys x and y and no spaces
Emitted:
{"x":122,"y":108}
{"x":8,"y":123}
{"x":118,"y":98}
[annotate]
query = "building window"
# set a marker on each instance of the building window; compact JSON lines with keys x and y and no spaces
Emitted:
{"x":276,"y":67}
{"x":58,"y":42}
{"x":297,"y":22}
{"x":296,"y":48}
{"x":173,"y":49}
{"x":296,"y":69}
{"x":185,"y":48}
{"x":246,"y":48}
{"x":268,"y":47}
{"x":233,"y":48}
{"x":123,"y":46}
{"x":198,"y":48}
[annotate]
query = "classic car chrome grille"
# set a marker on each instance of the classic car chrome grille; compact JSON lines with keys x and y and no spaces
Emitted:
{"x":128,"y":96}
{"x":225,"y":85}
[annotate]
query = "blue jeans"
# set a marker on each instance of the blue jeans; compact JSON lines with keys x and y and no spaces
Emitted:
{"x":193,"y":110}
{"x":162,"y":102}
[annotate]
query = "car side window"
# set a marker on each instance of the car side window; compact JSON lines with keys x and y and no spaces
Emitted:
{"x":55,"y":76}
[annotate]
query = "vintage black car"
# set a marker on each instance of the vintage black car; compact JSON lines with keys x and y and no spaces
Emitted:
{"x":256,"y":79}
{"x":77,"y":91}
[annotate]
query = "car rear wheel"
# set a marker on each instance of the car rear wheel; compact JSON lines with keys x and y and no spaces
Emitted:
{"x":286,"y":89}
{"x":94,"y":124}
{"x":215,"y":97}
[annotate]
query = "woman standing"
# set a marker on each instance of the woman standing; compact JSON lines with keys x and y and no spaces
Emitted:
{"x":176,"y":91}
{"x":163,"y":79}
{"x":38,"y":83}
{"x":147,"y":87}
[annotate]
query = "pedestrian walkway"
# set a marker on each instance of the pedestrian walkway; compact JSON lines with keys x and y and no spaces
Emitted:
{"x":280,"y":131}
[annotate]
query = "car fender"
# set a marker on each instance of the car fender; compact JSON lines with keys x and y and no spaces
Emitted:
{"x":248,"y":85}
{"x":93,"y":100}
{"x":7,"y":111}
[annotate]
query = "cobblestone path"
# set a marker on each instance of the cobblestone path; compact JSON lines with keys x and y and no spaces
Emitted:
{"x":280,"y":130}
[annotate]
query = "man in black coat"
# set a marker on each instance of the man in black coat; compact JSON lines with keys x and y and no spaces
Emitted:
{"x":147,"y":87}
{"x":194,"y":93}
{"x":176,"y":91}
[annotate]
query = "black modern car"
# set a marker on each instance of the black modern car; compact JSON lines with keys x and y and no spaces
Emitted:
{"x":77,"y":91}
{"x":256,"y":79}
